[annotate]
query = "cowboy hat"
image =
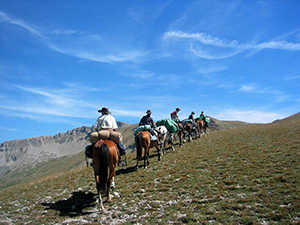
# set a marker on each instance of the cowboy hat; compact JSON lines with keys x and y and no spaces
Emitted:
{"x":104,"y":110}
{"x":148,"y":111}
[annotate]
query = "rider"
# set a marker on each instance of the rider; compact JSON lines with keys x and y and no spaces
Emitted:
{"x":202,"y":117}
{"x":191,"y":117}
{"x":147,"y":120}
{"x":106,"y":122}
{"x":174,"y":115}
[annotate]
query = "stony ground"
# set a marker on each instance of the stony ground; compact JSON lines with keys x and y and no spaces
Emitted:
{"x":246,"y":175}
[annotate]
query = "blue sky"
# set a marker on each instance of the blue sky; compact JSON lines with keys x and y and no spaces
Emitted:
{"x":60,"y":61}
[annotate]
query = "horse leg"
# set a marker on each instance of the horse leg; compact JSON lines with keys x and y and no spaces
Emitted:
{"x":113,"y":185}
{"x":110,"y":179}
{"x":158,"y":151}
{"x":145,"y":158}
{"x":162,"y":148}
{"x":99,"y":200}
{"x":180,"y":135}
{"x":137,"y":163}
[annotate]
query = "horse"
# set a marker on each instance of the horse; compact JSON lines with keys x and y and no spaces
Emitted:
{"x":143,"y":140}
{"x":202,"y":126}
{"x":105,"y":159}
{"x":199,"y":126}
{"x":180,"y":133}
{"x":164,"y":137}
{"x":188,"y":127}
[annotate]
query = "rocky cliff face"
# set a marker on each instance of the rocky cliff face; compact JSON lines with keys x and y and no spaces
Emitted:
{"x":17,"y":153}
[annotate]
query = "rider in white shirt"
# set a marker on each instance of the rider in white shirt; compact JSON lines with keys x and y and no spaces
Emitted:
{"x":106,"y":122}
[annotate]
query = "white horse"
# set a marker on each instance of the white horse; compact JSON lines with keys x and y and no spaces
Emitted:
{"x":164,"y":137}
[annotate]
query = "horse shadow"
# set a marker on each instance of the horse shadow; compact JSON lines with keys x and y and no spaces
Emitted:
{"x":126,"y":170}
{"x":74,"y":205}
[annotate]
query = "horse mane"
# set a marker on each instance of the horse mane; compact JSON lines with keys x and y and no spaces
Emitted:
{"x":103,"y":166}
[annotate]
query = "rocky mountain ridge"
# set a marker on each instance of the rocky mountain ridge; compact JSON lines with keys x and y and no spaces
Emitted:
{"x":17,"y":153}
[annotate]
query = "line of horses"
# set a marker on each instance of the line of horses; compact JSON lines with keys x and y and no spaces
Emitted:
{"x":105,"y":152}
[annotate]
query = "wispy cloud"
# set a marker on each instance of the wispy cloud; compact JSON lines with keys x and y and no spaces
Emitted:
{"x":288,"y":78}
{"x":250,"y":116}
{"x":82,"y":45}
{"x":205,"y":54}
{"x":212,"y":69}
{"x":218,"y":42}
{"x":6,"y":19}
{"x":255,"y":89}
{"x":248,"y":88}
{"x":65,"y":105}
{"x":8,"y":129}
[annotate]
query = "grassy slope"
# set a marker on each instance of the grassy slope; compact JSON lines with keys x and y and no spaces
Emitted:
{"x":243,"y":175}
{"x":67,"y":163}
{"x":58,"y":165}
{"x":51,"y":167}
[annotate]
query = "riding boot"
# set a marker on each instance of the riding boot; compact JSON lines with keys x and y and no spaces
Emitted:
{"x":121,"y":148}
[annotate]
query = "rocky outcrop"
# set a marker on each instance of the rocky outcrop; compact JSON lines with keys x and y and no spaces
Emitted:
{"x":17,"y":153}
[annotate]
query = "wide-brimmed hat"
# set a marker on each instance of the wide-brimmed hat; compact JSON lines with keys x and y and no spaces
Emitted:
{"x":177,"y":109}
{"x":148,"y":111}
{"x":104,"y":110}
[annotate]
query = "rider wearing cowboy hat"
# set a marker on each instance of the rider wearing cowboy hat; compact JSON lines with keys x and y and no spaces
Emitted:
{"x":107,"y":122}
{"x":147,"y":119}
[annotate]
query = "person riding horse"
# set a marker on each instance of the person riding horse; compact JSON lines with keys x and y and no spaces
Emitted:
{"x":147,"y":120}
{"x":174,"y":115}
{"x":106,"y":122}
{"x":202,"y":116}
{"x":191,"y":117}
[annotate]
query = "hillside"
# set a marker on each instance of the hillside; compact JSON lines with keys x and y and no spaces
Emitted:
{"x":28,"y":159}
{"x":244,"y":175}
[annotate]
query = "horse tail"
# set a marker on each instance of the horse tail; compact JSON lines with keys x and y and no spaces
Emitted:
{"x":139,"y":145}
{"x":104,"y":159}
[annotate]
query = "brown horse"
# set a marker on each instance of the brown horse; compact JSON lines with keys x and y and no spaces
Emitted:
{"x":105,"y":159}
{"x":143,"y":140}
{"x":200,"y":127}
{"x":180,"y":133}
{"x":188,"y":127}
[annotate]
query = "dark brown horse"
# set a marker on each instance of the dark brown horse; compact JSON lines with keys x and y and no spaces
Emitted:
{"x":143,"y":140}
{"x":105,"y":159}
{"x":188,"y":127}
{"x":180,"y":133}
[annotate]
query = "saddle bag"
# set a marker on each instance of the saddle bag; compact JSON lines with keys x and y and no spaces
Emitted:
{"x":116,"y":136}
{"x":102,"y":134}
